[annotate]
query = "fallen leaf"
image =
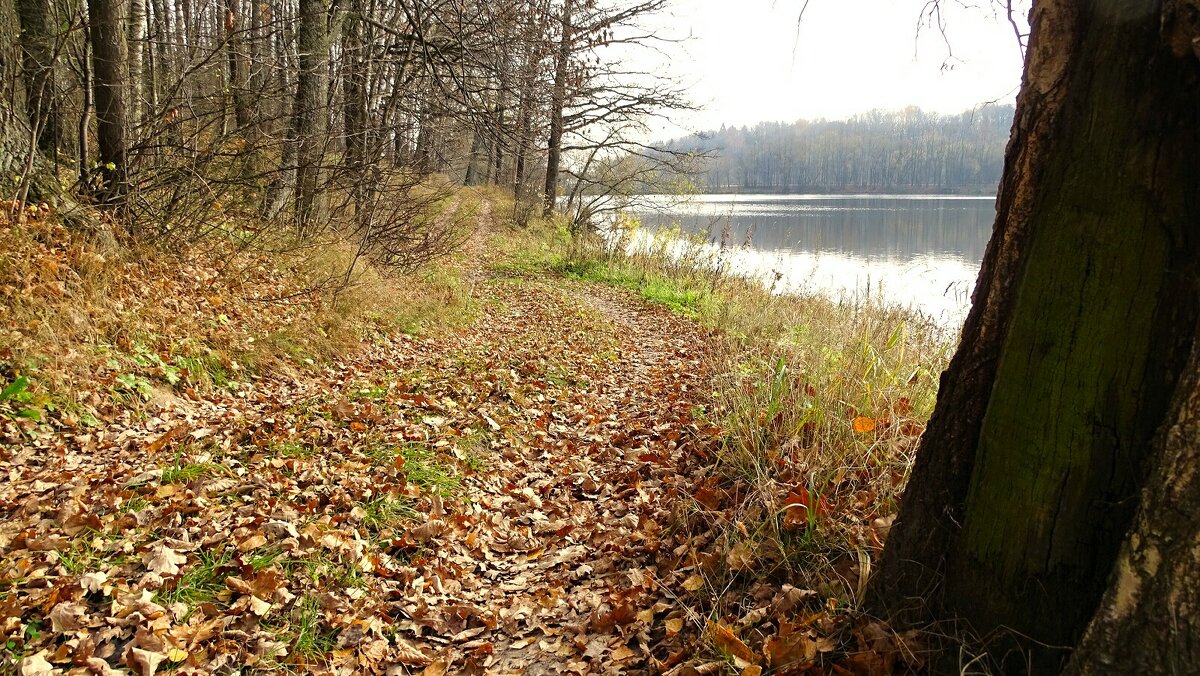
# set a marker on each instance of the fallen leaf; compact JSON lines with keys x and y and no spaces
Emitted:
{"x":144,"y":662}
{"x":408,"y":654}
{"x":259,"y":607}
{"x":741,"y":556}
{"x":35,"y":665}
{"x":164,"y":560}
{"x":428,"y":530}
{"x":253,"y":542}
{"x":67,"y":617}
{"x":93,"y":581}
{"x":174,"y":433}
{"x":863,"y":424}
{"x":724,"y":638}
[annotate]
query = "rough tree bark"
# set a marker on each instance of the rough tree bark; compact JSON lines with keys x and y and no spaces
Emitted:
{"x":1044,"y":432}
{"x":1149,"y":620}
{"x":109,"y":89}
{"x":37,"y":64}
{"x":308,"y":115}
{"x":354,"y":104}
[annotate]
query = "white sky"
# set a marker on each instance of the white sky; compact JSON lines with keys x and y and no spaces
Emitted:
{"x":748,"y":61}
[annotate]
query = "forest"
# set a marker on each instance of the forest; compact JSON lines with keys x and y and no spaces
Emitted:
{"x":908,"y":151}
{"x":326,"y":114}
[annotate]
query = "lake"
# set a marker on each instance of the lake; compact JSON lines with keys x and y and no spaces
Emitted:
{"x":922,"y":251}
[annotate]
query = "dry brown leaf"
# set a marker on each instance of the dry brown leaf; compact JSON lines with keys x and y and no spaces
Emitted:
{"x":163,"y":560}
{"x":406,"y":653}
{"x":741,"y":556}
{"x":175,"y":432}
{"x":428,"y":530}
{"x":67,"y":617}
{"x":143,"y":662}
{"x":726,"y":640}
{"x":253,"y":542}
{"x":35,"y":665}
{"x":93,"y":581}
{"x":259,"y":607}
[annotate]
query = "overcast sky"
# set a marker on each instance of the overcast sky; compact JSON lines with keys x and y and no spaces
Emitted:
{"x":749,"y":61}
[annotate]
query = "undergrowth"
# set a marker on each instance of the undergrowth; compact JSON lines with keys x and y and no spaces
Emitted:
{"x":822,"y":402}
{"x":92,"y":322}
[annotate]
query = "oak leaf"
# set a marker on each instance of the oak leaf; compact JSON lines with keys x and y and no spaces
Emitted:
{"x":164,"y":560}
{"x":35,"y":665}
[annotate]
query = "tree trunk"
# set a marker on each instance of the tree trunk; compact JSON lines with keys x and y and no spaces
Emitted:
{"x":1148,"y":621}
{"x":524,"y":130}
{"x":308,"y":116}
{"x":354,"y":104}
{"x":37,"y":65}
{"x":135,"y":47}
{"x":1029,"y":473}
{"x":236,"y":65}
{"x":557,"y":102}
{"x":472,"y":174}
{"x":85,"y":114}
{"x":109,"y":87}
{"x":498,"y":144}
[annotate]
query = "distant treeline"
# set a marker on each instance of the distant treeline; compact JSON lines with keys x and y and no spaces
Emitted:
{"x":906,"y":151}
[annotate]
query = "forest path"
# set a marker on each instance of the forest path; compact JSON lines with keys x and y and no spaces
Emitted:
{"x":588,"y":398}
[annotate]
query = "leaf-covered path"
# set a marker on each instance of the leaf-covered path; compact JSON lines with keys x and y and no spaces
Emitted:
{"x":589,"y":398}
{"x":499,"y":499}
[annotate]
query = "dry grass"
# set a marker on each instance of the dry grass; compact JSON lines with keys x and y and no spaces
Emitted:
{"x":822,"y":402}
{"x":91,"y":318}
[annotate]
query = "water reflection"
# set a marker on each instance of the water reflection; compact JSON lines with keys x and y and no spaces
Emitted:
{"x":922,"y":251}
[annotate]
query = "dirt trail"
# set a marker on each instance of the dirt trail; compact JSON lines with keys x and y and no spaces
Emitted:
{"x":556,"y":571}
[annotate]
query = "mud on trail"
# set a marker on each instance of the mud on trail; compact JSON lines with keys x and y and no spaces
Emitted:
{"x":502,"y":499}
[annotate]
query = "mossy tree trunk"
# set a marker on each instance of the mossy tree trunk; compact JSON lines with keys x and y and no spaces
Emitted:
{"x":1030,"y":472}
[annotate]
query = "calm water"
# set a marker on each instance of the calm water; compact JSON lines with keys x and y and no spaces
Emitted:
{"x":922,"y":251}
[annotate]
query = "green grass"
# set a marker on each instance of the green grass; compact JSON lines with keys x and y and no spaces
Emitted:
{"x":186,"y":473}
{"x":134,"y":504}
{"x":322,"y":567}
{"x":294,"y":449}
{"x":207,"y":370}
{"x":421,"y":466}
{"x":385,"y":512}
{"x":266,"y":557}
{"x":426,"y":468}
{"x":201,"y":582}
{"x":311,"y":640}
{"x":79,"y":558}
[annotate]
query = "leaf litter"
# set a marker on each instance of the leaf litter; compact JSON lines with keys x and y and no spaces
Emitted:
{"x":527,"y":495}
